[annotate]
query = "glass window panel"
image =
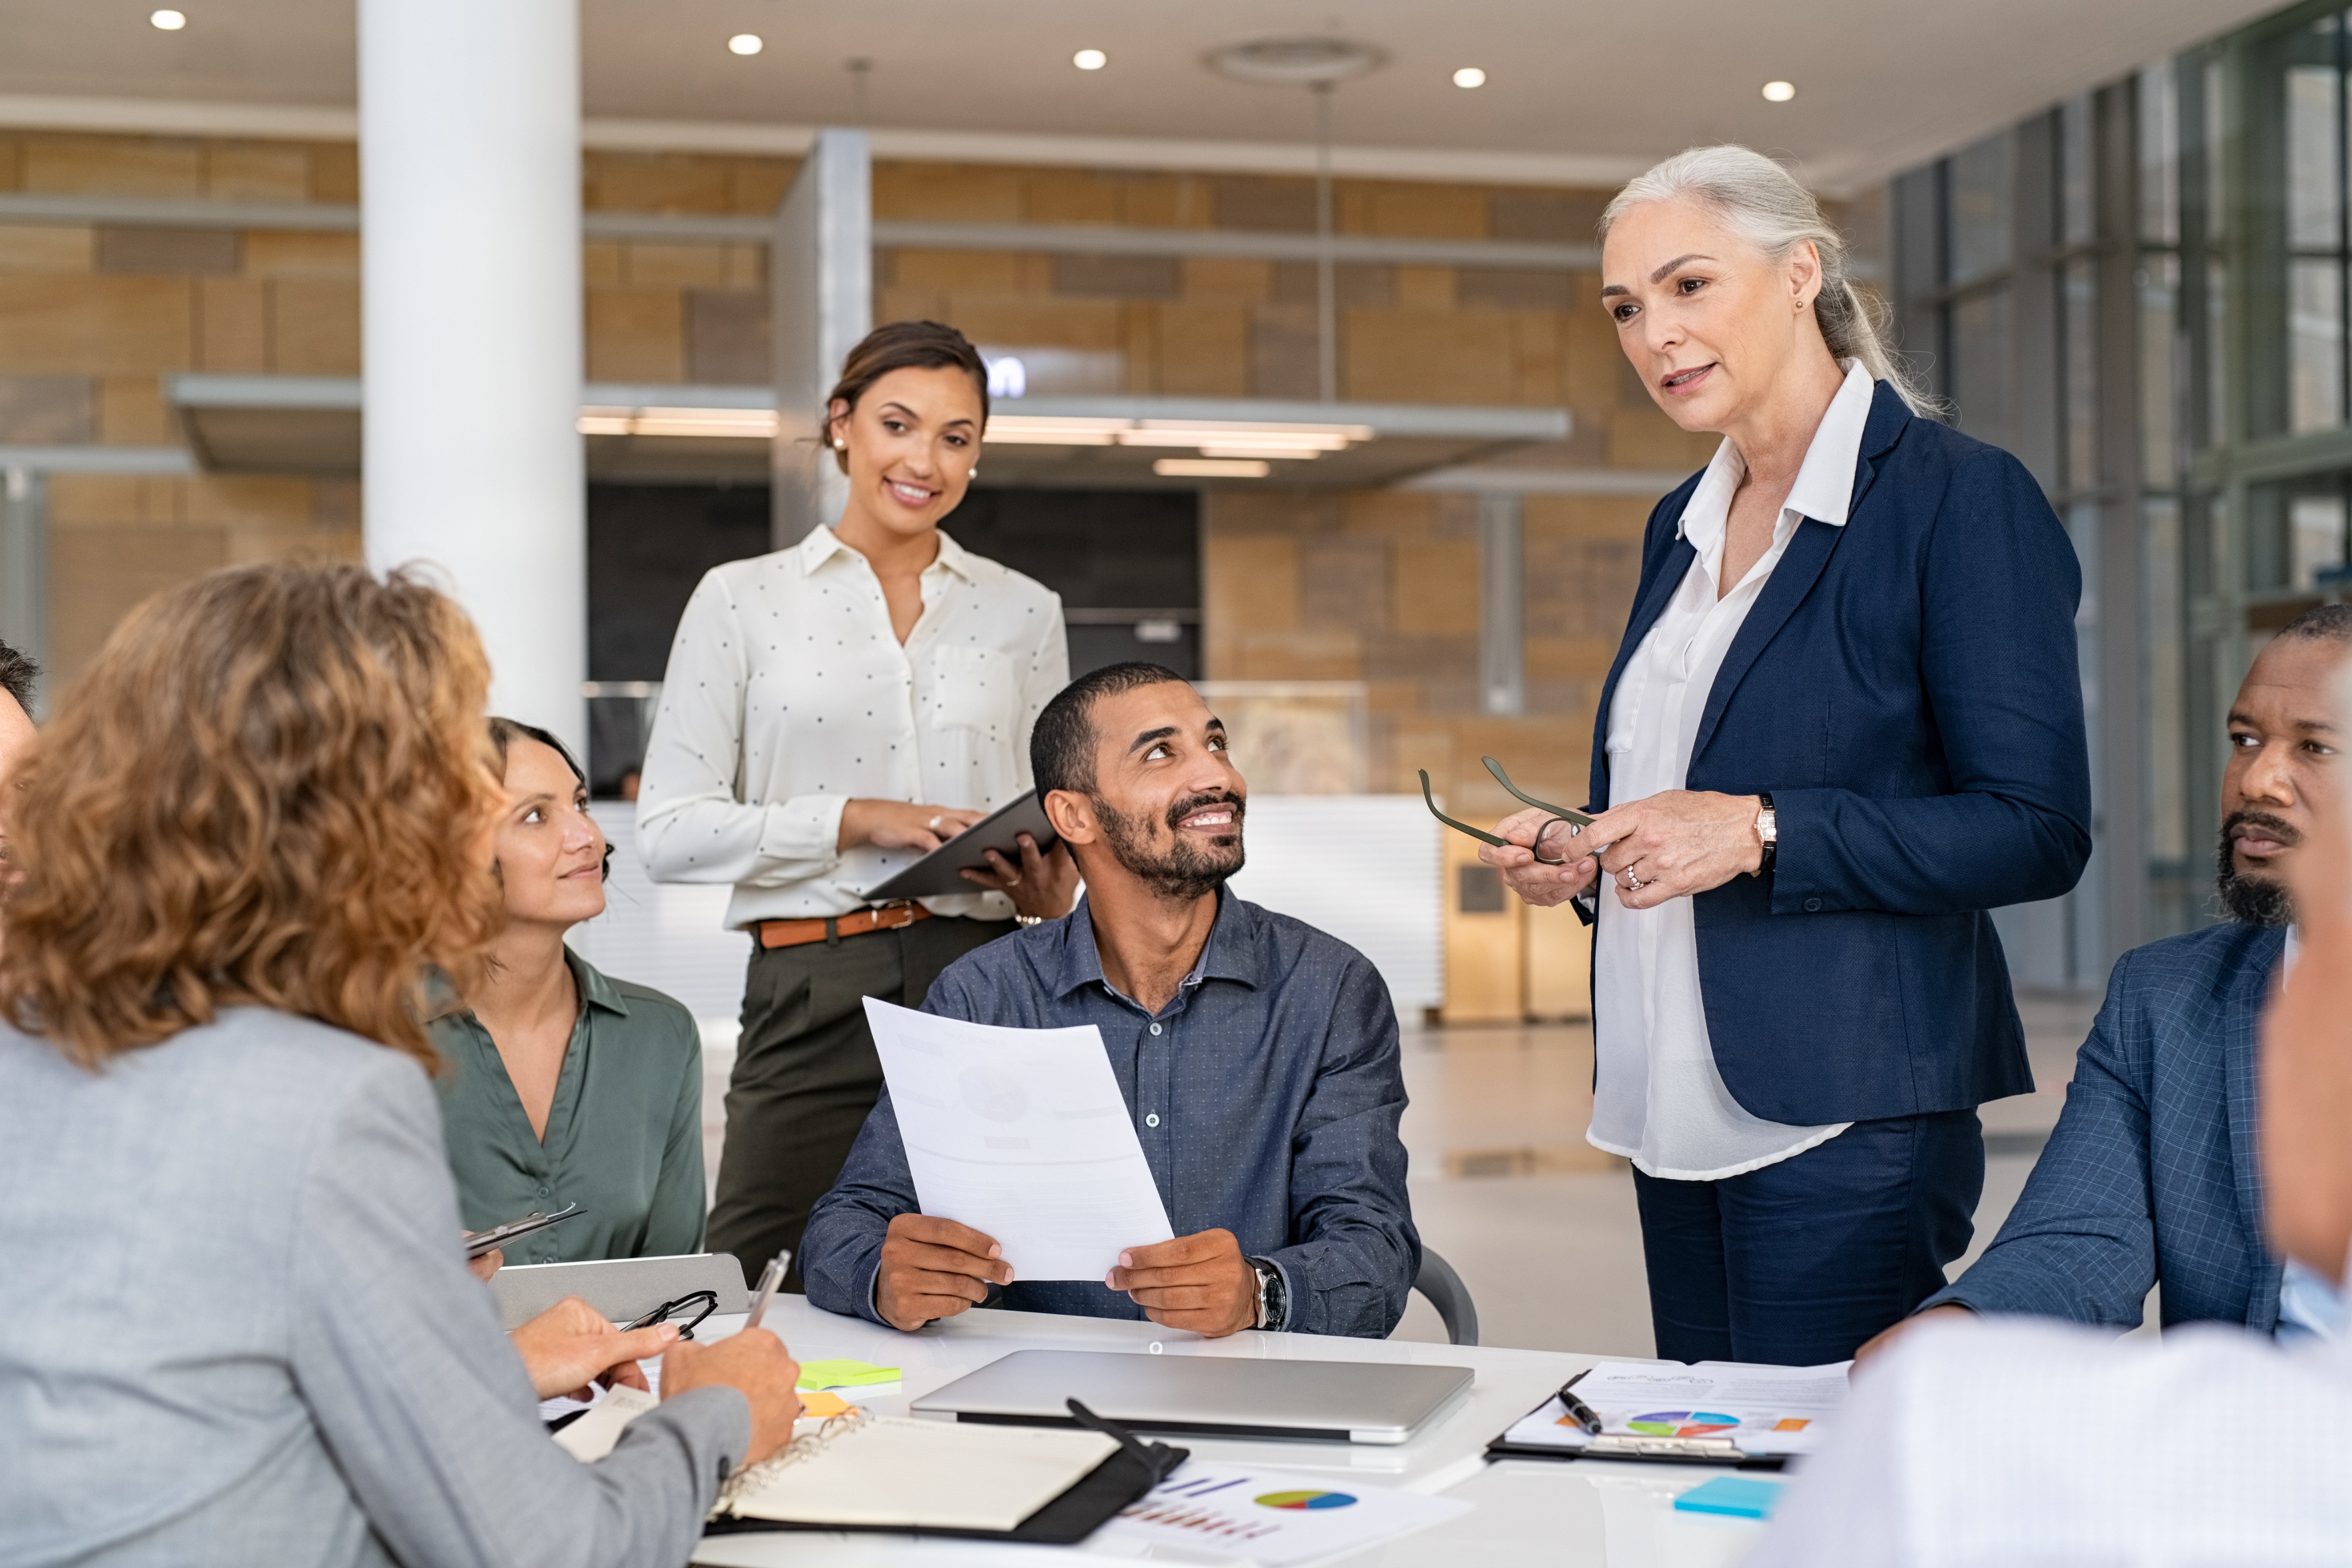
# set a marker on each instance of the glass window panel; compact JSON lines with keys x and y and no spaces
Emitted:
{"x":2315,"y":173}
{"x":1982,"y":209}
{"x":2217,"y":343}
{"x":2216,"y":166}
{"x":2160,"y":156}
{"x":2079,"y":301}
{"x":2315,"y":345}
{"x":2168,"y":696}
{"x":2077,"y":215}
{"x":2314,"y":537}
{"x":2160,"y":293}
{"x":1980,"y":373}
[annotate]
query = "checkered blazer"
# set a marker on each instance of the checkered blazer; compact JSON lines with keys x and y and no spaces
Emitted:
{"x":2150,"y":1175}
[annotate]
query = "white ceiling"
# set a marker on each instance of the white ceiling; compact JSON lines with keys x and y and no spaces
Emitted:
{"x":1881,"y":83}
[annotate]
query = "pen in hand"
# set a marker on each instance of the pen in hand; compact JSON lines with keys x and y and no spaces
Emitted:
{"x":769,"y":1278}
{"x":1583,"y":1414}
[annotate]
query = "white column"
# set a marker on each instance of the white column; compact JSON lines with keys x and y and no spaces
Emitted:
{"x":469,"y":182}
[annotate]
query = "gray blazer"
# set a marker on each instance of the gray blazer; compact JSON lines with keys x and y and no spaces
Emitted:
{"x":238,"y":1329}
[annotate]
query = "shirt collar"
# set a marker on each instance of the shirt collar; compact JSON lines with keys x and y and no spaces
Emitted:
{"x":1230,"y":954}
{"x":595,"y":991}
{"x":1824,"y":486}
{"x":822,"y":545}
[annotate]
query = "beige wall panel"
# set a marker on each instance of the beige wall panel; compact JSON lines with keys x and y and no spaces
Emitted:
{"x":1426,"y":287}
{"x":653,"y":183}
{"x":1437,"y":586}
{"x":1284,"y":346}
{"x":95,"y":324}
{"x":1420,"y":356}
{"x":1445,"y":663}
{"x":1343,"y":582}
{"x":1484,"y":945}
{"x":675,"y":266}
{"x":335,"y":504}
{"x":1170,"y":201}
{"x":962,"y":191}
{"x":1139,"y":344}
{"x":130,"y":413}
{"x":1287,"y":656}
{"x":746,"y":266}
{"x":1205,"y":350}
{"x":728,"y":340}
{"x":114,"y":165}
{"x":1241,"y":513}
{"x":167,"y":251}
{"x":259,"y":541}
{"x":12,"y":163}
{"x":79,"y":500}
{"x":248,"y":500}
{"x":1074,"y":195}
{"x":335,"y":173}
{"x":1403,"y":514}
{"x":636,"y":334}
{"x":232,"y":325}
{"x":910,"y":305}
{"x":256,"y":170}
{"x":96,"y":574}
{"x":314,"y":326}
{"x":756,"y":185}
{"x":1036,"y":324}
{"x":1559,"y":962}
{"x":1208,"y":278}
{"x":1576,"y":658}
{"x":37,"y":248}
{"x":601,"y":264}
{"x":46,"y":410}
{"x":281,"y":253}
{"x":1593,"y":362}
{"x":1587,"y":517}
{"x":1537,"y":363}
{"x":973,"y":271}
{"x":1648,"y":440}
{"x":1569,"y":217}
{"x":1249,"y":583}
{"x":1430,"y":209}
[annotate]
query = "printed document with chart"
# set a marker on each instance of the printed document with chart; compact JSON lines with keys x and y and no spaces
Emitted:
{"x":1023,"y":1136}
{"x":1765,"y":1410}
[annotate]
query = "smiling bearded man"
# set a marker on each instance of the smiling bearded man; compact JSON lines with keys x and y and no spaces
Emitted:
{"x":1257,"y":1057}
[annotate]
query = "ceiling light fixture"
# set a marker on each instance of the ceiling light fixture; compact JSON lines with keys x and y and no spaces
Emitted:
{"x":1779,"y":92}
{"x":745,"y":44}
{"x":1297,"y":61}
{"x":1090,"y":59}
{"x":1229,"y":437}
{"x":754,"y":424}
{"x":1469,"y":76}
{"x":169,"y":21}
{"x":1211,"y":469}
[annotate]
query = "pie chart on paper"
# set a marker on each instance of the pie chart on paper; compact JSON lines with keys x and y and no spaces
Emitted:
{"x":1682,"y":1424}
{"x":1304,"y":1499}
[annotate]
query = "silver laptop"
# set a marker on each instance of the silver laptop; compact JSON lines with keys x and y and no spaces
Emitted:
{"x":1324,"y":1401}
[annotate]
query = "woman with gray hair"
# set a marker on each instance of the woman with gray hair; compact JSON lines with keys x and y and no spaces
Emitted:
{"x":1843,"y":723}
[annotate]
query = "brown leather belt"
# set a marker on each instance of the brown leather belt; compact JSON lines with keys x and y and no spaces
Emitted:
{"x":832,"y":927}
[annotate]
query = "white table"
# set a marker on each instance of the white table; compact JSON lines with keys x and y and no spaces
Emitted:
{"x":1531,"y":1514}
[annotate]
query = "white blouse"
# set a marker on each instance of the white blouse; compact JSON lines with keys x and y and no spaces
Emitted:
{"x":1657,"y":1099}
{"x":788,"y":695}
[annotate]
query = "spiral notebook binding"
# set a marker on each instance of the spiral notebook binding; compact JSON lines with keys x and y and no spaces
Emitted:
{"x":800,"y":1450}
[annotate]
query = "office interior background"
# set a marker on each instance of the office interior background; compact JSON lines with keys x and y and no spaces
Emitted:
{"x":1302,"y":389}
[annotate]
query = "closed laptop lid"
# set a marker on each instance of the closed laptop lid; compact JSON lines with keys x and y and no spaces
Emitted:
{"x":1330,"y":1401}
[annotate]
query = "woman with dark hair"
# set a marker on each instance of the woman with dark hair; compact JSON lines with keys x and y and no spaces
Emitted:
{"x":243,"y":1331}
{"x":564,"y":1086}
{"x":833,"y":712}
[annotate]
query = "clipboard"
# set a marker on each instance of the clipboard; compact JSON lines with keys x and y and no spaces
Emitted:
{"x":1646,"y":1450}
{"x":940,"y":873}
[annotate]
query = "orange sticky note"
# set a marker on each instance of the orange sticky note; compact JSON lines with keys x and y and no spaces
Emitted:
{"x":1792,"y":1425}
{"x":817,"y":1406}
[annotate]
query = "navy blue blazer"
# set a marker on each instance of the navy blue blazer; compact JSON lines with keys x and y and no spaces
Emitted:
{"x":2150,"y":1175}
{"x":1906,"y":690}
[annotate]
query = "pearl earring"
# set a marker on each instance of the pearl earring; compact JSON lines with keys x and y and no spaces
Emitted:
{"x":840,"y":446}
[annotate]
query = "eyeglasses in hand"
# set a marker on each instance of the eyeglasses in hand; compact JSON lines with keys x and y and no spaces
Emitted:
{"x":1575,"y":821}
{"x":707,"y":1300}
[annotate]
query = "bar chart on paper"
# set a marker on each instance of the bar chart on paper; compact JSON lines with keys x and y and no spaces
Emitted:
{"x":1272,"y":1517}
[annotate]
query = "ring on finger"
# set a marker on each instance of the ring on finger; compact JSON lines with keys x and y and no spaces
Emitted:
{"x":1633,"y":883}
{"x":934,"y":823}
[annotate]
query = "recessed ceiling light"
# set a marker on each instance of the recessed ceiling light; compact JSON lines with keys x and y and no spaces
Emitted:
{"x":1211,"y":469}
{"x":745,"y":44}
{"x":1090,"y":59}
{"x":170,"y":21}
{"x":1469,"y":76}
{"x":1779,"y":92}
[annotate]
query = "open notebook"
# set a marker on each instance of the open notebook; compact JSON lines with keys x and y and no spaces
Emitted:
{"x":863,"y":1471}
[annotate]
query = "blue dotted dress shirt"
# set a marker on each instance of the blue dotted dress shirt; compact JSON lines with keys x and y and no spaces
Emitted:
{"x":1266,"y":1094}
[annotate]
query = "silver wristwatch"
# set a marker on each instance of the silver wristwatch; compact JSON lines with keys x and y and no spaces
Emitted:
{"x":1768,"y":829}
{"x":1273,"y":1307}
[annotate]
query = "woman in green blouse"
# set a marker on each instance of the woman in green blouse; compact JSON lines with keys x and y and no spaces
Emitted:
{"x":560,"y":1085}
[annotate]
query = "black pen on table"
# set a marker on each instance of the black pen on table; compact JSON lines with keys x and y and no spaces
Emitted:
{"x":769,"y":1278}
{"x":1583,"y":1414}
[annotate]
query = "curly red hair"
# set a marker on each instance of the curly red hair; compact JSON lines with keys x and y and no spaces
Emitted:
{"x":273,"y":788}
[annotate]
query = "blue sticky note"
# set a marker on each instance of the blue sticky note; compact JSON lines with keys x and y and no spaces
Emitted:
{"x":1734,"y":1495}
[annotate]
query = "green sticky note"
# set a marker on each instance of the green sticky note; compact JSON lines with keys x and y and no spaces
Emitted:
{"x":845,"y":1373}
